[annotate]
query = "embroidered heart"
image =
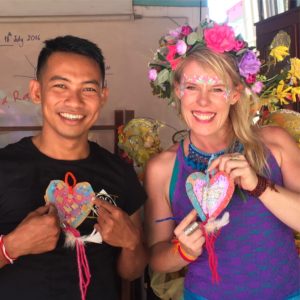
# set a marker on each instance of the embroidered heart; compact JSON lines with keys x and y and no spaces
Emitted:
{"x":73,"y":202}
{"x":209,"y":196}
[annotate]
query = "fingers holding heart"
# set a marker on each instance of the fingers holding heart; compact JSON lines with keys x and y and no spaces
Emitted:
{"x":190,"y":240}
{"x":238,"y":169}
{"x":115,"y":226}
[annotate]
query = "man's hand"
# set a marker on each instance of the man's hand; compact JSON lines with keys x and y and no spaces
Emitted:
{"x":37,"y":233}
{"x":116,"y":227}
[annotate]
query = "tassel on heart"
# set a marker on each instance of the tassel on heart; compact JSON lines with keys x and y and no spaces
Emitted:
{"x":209,"y":197}
{"x":74,"y":203}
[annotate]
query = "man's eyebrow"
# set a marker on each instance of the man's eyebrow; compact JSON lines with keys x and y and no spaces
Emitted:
{"x":57,"y":77}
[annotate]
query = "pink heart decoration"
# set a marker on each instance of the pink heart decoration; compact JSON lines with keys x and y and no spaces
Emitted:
{"x":74,"y":203}
{"x":209,"y":198}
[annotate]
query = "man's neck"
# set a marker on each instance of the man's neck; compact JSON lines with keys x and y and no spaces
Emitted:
{"x":63,"y":149}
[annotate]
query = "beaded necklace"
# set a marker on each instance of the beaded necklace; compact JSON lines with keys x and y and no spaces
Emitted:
{"x":199,"y":160}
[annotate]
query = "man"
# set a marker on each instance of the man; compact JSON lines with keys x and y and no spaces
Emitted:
{"x":70,"y":88}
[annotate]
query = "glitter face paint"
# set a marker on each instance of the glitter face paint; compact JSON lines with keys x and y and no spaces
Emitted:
{"x":194,"y":86}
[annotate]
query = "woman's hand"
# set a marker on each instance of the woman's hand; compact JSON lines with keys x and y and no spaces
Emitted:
{"x":190,"y":241}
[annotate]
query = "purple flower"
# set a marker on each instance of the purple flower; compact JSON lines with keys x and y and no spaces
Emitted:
{"x":175,"y":32}
{"x":152,"y":74}
{"x":249,"y":64}
{"x":181,"y":47}
{"x":257,"y":87}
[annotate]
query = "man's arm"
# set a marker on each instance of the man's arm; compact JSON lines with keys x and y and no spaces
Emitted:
{"x":37,"y":233}
{"x":132,"y":260}
{"x":120,"y":230}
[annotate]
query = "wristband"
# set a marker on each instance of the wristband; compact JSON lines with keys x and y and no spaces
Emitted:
{"x":8,"y":258}
{"x":182,"y":253}
{"x":261,"y":186}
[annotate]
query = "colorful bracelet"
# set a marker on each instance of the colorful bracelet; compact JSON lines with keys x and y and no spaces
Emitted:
{"x":261,"y":186}
{"x":182,"y":253}
{"x":8,"y":258}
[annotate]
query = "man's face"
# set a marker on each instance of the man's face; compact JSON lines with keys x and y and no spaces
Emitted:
{"x":71,"y":94}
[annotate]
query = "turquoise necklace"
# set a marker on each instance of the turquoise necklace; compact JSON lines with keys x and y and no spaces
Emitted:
{"x":199,"y":160}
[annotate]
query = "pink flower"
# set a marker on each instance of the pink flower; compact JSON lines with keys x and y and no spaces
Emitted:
{"x":181,"y":47}
{"x":152,"y":74}
{"x":186,"y":30}
{"x":257,"y":87}
{"x":238,"y":45}
{"x":219,"y":38}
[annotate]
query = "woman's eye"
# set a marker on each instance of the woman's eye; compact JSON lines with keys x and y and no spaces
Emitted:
{"x":218,"y":90}
{"x":190,"y":87}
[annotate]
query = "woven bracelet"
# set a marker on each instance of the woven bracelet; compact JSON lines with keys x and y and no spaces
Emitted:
{"x":261,"y":186}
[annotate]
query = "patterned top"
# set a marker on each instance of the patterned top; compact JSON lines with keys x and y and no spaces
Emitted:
{"x":256,"y":252}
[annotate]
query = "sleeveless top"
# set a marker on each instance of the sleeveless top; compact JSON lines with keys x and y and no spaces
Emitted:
{"x":256,"y":252}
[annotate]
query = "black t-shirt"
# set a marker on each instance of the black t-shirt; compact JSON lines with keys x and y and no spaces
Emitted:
{"x":25,"y":174}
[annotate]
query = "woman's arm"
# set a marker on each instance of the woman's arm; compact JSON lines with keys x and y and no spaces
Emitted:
{"x":284,"y":204}
{"x":163,"y":254}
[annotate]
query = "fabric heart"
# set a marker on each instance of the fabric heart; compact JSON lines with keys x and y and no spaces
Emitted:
{"x":209,"y":196}
{"x":73,"y":202}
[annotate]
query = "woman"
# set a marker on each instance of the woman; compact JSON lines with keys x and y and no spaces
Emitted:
{"x":256,"y":253}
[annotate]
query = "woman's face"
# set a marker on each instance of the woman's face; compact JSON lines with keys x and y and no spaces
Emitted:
{"x":205,"y":100}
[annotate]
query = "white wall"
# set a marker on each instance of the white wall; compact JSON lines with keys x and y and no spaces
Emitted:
{"x":128,"y":46}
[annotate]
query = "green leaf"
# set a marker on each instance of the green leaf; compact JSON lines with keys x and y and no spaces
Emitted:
{"x":160,"y":56}
{"x":241,"y":194}
{"x":162,"y":76}
{"x":241,"y":51}
{"x":199,"y":32}
{"x":192,"y":38}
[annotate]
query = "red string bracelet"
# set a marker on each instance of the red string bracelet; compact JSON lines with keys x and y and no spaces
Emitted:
{"x":261,"y":186}
{"x":8,"y":258}
{"x":182,"y":253}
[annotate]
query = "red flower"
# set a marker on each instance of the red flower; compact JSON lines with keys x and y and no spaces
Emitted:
{"x":251,"y":78}
{"x":186,"y":30}
{"x":238,"y":45}
{"x":171,"y":53}
{"x":175,"y":62}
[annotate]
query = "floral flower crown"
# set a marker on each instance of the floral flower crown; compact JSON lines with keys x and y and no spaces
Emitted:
{"x":178,"y":43}
{"x":277,"y":86}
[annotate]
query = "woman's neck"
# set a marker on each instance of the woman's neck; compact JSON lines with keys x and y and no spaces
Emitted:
{"x":211,"y":144}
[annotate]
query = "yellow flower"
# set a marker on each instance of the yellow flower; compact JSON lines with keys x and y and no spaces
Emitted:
{"x":279,"y":52}
{"x":295,"y":68}
{"x":295,"y":92}
{"x":282,"y":93}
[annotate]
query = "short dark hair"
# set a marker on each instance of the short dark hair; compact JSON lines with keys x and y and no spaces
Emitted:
{"x":70,"y":44}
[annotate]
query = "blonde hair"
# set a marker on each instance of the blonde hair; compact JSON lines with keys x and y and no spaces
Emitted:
{"x":225,"y":66}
